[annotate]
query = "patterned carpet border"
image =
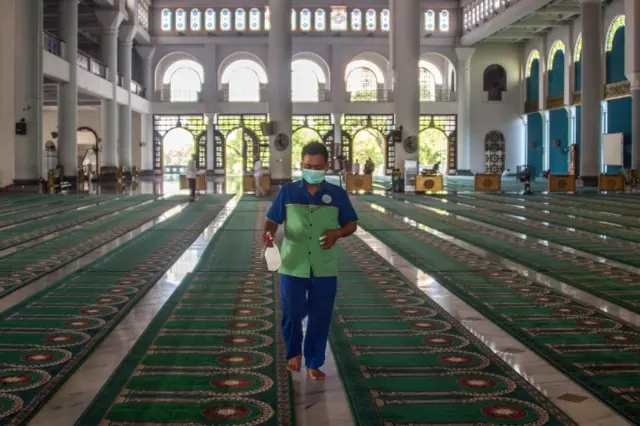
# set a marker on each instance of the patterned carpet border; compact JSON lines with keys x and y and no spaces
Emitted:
{"x":63,"y":357}
{"x":600,"y":375}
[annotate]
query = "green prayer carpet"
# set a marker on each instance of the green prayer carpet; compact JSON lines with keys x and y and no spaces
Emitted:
{"x":46,"y":337}
{"x":593,"y":348}
{"x":213,"y":355}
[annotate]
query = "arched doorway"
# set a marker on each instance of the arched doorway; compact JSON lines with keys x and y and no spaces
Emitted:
{"x":87,"y":148}
{"x":195,"y":125}
{"x":311,"y":128}
{"x":494,"y":152}
{"x":433,"y":149}
{"x":370,"y":143}
{"x":373,"y":126}
{"x":178,"y":146}
{"x":234,"y":161}
{"x":300,"y":138}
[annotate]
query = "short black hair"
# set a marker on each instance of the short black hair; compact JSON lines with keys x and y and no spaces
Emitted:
{"x":316,"y":148}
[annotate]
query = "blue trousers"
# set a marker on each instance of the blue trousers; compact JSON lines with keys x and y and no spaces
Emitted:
{"x":302,"y":297}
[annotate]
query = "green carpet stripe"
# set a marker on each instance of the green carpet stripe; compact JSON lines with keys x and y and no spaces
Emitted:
{"x":38,"y":228}
{"x":39,"y":202}
{"x":43,"y":357}
{"x":575,"y":206}
{"x":591,"y":243}
{"x":29,"y":264}
{"x":213,"y":355}
{"x":404,"y":360}
{"x":604,"y":281}
{"x":36,"y":212}
{"x":593,"y":348}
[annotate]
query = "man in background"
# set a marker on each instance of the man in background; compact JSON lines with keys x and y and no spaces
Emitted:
{"x":192,"y":172}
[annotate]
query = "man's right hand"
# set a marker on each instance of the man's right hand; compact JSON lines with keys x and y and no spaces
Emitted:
{"x":267,"y":238}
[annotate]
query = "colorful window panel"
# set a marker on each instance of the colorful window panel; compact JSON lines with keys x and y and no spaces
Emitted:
{"x":181,"y":20}
{"x":305,"y":20}
{"x":532,"y":57}
{"x":321,"y":20}
{"x":241,"y":20}
{"x":356,"y":20}
{"x":196,"y":20}
{"x":443,"y":20}
{"x":558,"y":46}
{"x":267,"y":18}
{"x":225,"y":20}
{"x":294,"y":20}
{"x":166,"y":20}
{"x":385,"y":20}
{"x":613,"y":29}
{"x":371,"y":20}
{"x":210,"y":20}
{"x":578,"y":54}
{"x":429,"y":20}
{"x":339,"y":18}
{"x":254,"y":19}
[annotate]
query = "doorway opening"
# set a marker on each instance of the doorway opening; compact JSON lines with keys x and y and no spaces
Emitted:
{"x":178,"y":148}
{"x":369,"y":144}
{"x":433,"y":145}
{"x":301,"y":137}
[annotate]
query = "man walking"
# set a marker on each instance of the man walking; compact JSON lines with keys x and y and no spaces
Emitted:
{"x":315,"y":215}
{"x":192,"y":171}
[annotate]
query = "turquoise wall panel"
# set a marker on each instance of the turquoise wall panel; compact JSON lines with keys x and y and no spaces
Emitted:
{"x":619,"y":121}
{"x":615,"y":58}
{"x":535,"y":135}
{"x":559,"y":131}
{"x":556,"y":75}
{"x":533,"y":82}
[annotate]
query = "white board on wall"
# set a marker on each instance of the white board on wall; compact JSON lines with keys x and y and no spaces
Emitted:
{"x":612,"y":149}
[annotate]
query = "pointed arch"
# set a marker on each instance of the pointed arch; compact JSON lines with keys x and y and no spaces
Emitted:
{"x":616,"y":24}
{"x":533,"y":55}
{"x":557,"y":46}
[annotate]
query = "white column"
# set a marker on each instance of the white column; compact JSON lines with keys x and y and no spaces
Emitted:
{"x":279,"y":88}
{"x":632,"y":69}
{"x":392,"y":39}
{"x":592,"y":91}
{"x":110,"y":21}
{"x":146,"y":54}
{"x":464,"y":107}
{"x":407,"y":90}
{"x":125,"y":51}
{"x":68,"y":92}
{"x":210,"y":147}
{"x":27,"y":89}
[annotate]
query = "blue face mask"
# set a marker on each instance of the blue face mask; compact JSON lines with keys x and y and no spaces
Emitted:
{"x":313,"y":177}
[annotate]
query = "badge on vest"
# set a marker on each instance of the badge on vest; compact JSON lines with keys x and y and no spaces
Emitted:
{"x":326,"y":198}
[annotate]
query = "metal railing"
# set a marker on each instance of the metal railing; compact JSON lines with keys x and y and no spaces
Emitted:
{"x":137,"y":89}
{"x":53,"y":44}
{"x":175,"y":95}
{"x":438,"y":96}
{"x":92,"y":65}
{"x":379,"y":95}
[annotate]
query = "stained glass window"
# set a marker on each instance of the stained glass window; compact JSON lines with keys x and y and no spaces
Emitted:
{"x":385,"y":20}
{"x":241,"y":20}
{"x":558,"y":46}
{"x":210,"y":20}
{"x":613,"y":29}
{"x":533,"y":56}
{"x":294,"y":20}
{"x":371,"y":20}
{"x":254,"y":19}
{"x":443,"y":20}
{"x":356,"y":20}
{"x":196,"y":20}
{"x":338,"y":18}
{"x":225,"y":20}
{"x":578,"y":51}
{"x":166,"y":20}
{"x":267,"y":18}
{"x":181,"y":20}
{"x":321,"y":20}
{"x":305,"y":20}
{"x":429,"y":20}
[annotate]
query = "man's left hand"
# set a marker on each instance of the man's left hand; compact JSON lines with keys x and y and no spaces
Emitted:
{"x":329,"y":238}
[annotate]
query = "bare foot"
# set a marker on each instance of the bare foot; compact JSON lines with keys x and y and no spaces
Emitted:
{"x":295,"y":364}
{"x":316,"y":374}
